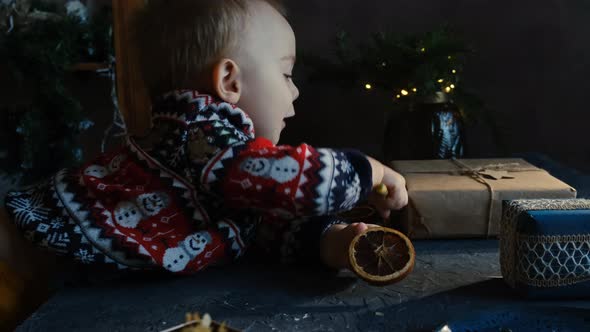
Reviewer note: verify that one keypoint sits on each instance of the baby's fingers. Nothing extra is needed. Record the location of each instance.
(383, 205)
(385, 214)
(392, 198)
(398, 198)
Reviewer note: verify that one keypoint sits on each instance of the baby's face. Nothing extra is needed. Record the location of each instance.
(266, 56)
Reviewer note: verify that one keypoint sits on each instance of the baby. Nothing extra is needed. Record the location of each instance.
(209, 181)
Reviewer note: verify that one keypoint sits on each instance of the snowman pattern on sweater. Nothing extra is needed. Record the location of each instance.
(181, 206)
(280, 170)
(177, 258)
(127, 214)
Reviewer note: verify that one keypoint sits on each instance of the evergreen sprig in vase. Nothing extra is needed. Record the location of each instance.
(421, 76)
(429, 128)
(421, 73)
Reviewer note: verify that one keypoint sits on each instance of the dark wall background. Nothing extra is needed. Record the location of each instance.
(532, 67)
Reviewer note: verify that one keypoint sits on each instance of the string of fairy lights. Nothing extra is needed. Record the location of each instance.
(447, 86)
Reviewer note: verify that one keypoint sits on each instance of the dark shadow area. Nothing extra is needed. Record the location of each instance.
(484, 306)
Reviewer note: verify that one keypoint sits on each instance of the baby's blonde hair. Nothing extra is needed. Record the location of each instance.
(178, 40)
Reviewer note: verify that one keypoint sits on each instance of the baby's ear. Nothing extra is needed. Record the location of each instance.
(227, 82)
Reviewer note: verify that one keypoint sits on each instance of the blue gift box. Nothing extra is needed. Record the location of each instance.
(545, 247)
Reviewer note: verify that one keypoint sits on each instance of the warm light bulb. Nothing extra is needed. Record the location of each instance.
(414, 89)
(446, 328)
(398, 96)
(454, 71)
(452, 86)
(368, 86)
(448, 89)
(449, 57)
(404, 92)
(423, 49)
(440, 80)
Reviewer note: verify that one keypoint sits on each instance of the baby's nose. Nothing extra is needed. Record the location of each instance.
(295, 92)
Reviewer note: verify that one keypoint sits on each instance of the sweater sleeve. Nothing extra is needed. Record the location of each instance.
(116, 211)
(289, 181)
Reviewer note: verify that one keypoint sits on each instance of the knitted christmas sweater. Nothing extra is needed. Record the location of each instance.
(192, 197)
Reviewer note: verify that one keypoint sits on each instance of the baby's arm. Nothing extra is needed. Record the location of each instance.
(291, 181)
(288, 181)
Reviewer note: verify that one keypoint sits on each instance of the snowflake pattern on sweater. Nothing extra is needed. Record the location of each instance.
(196, 196)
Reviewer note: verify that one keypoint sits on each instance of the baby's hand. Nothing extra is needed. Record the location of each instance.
(397, 195)
(335, 242)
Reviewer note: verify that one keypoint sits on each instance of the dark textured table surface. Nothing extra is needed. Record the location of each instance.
(451, 279)
(262, 299)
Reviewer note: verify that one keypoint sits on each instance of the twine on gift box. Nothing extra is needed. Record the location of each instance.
(476, 175)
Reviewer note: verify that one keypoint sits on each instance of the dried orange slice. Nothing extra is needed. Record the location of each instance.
(381, 255)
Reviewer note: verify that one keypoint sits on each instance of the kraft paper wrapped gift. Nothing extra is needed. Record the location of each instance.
(545, 247)
(460, 198)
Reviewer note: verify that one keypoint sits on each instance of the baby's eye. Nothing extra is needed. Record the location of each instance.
(288, 76)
